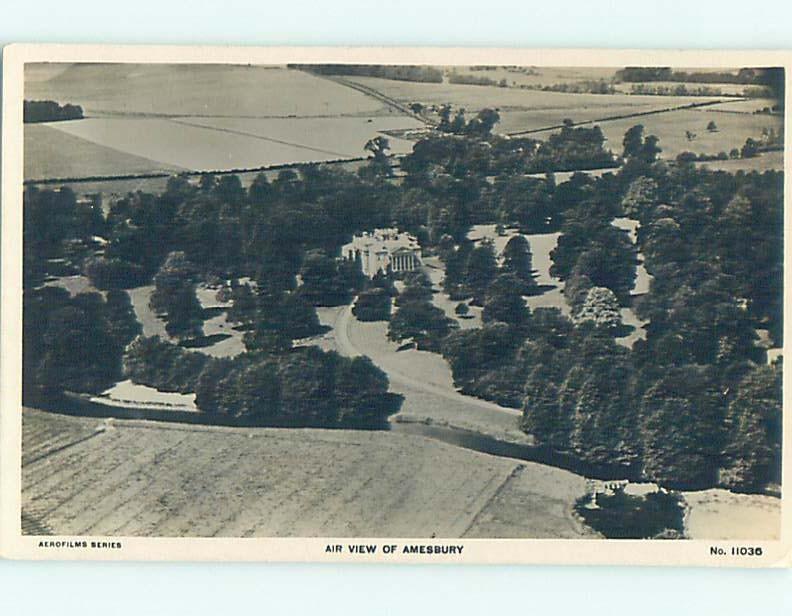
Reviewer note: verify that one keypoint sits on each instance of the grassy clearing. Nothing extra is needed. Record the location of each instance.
(218, 325)
(193, 89)
(73, 284)
(152, 325)
(153, 479)
(51, 152)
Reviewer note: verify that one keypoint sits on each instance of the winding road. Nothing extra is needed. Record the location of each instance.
(425, 381)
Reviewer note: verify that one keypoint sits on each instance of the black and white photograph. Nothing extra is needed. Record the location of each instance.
(433, 302)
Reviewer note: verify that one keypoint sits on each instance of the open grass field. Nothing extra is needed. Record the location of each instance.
(86, 476)
(670, 127)
(195, 89)
(50, 152)
(220, 144)
(342, 137)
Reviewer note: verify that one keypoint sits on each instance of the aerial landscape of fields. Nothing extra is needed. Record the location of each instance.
(573, 329)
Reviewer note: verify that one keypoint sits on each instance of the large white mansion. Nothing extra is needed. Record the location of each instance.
(383, 249)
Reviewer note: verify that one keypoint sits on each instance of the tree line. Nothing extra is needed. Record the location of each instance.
(428, 74)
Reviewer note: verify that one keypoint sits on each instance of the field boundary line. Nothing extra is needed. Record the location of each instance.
(255, 136)
(188, 173)
(625, 116)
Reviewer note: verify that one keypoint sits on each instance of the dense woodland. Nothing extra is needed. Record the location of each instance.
(693, 405)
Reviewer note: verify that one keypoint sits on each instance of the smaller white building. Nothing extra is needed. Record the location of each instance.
(384, 249)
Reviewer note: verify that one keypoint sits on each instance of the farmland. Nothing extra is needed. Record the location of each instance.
(198, 90)
(523, 110)
(536, 76)
(473, 98)
(732, 130)
(217, 118)
(54, 153)
(232, 143)
(145, 479)
(203, 118)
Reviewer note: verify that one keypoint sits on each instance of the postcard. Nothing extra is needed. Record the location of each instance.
(401, 305)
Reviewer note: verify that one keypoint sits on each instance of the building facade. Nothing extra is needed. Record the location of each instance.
(384, 250)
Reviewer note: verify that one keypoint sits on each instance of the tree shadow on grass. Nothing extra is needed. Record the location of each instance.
(203, 341)
(541, 289)
(210, 313)
(623, 330)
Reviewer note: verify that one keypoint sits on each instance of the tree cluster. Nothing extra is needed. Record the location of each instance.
(302, 387)
(50, 111)
(73, 343)
(417, 319)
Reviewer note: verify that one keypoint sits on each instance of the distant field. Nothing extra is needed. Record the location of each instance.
(536, 119)
(746, 106)
(474, 98)
(136, 478)
(670, 127)
(343, 137)
(765, 162)
(124, 145)
(538, 75)
(195, 90)
(730, 89)
(143, 118)
(524, 109)
(52, 152)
